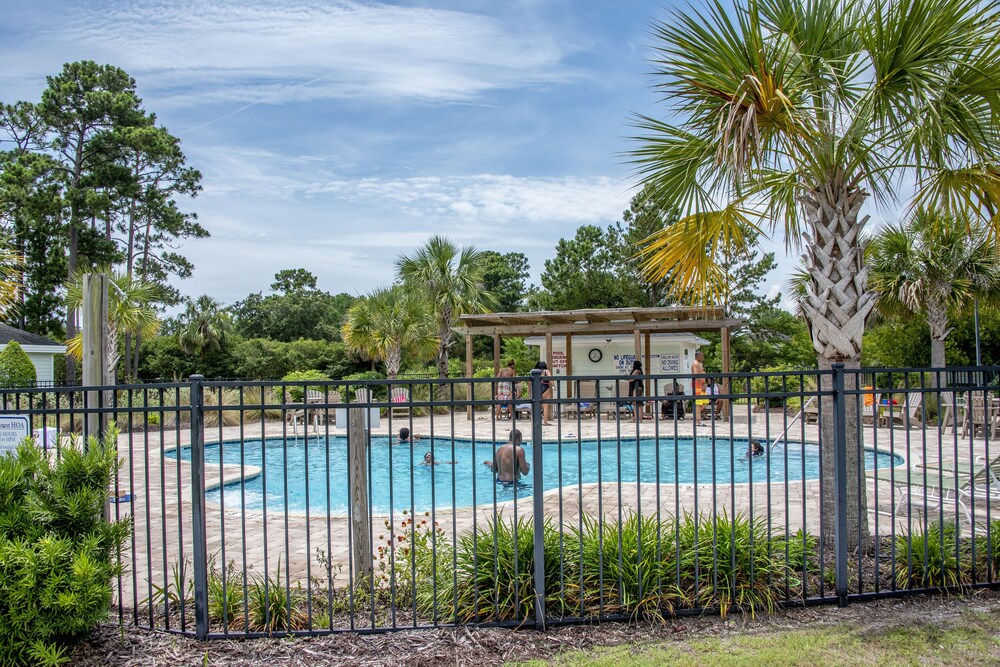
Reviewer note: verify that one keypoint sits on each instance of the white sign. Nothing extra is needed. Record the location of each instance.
(13, 429)
(623, 363)
(670, 363)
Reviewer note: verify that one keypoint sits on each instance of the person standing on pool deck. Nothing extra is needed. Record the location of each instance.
(505, 391)
(698, 368)
(635, 388)
(546, 392)
(509, 461)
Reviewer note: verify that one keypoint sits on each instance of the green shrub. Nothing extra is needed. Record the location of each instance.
(296, 393)
(800, 551)
(934, 559)
(405, 557)
(627, 567)
(494, 575)
(728, 562)
(773, 384)
(57, 553)
(225, 593)
(988, 549)
(274, 607)
(16, 369)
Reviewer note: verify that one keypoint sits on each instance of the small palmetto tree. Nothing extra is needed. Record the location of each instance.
(206, 327)
(789, 115)
(451, 280)
(935, 264)
(131, 309)
(389, 323)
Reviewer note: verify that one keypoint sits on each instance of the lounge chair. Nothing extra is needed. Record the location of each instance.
(586, 403)
(399, 397)
(934, 485)
(910, 413)
(983, 415)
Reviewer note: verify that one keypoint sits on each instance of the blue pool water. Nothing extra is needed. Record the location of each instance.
(299, 471)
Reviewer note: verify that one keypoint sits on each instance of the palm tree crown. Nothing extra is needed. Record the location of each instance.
(131, 310)
(791, 107)
(451, 280)
(936, 265)
(387, 324)
(206, 328)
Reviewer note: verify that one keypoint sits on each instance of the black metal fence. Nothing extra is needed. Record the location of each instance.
(268, 508)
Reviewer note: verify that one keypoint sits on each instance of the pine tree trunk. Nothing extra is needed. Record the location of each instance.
(837, 305)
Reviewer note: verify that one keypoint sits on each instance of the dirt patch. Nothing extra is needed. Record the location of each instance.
(111, 647)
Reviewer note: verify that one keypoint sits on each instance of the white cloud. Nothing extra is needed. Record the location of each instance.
(495, 198)
(263, 51)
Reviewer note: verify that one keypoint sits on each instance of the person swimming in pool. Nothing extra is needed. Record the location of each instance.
(429, 460)
(756, 449)
(509, 461)
(405, 437)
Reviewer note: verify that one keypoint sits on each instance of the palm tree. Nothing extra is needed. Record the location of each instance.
(387, 324)
(206, 327)
(452, 282)
(131, 310)
(789, 114)
(933, 264)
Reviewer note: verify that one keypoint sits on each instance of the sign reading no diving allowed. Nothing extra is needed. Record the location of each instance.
(13, 429)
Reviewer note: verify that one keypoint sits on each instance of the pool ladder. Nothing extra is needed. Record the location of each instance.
(784, 433)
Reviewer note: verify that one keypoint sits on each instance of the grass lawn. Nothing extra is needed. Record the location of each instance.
(972, 638)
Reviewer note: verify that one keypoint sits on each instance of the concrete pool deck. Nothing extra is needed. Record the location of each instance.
(160, 504)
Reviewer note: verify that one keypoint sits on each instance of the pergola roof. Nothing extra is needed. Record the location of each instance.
(597, 321)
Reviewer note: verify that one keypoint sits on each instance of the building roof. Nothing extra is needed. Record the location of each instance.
(598, 321)
(8, 334)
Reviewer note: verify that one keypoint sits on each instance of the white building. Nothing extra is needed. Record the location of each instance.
(40, 350)
(590, 355)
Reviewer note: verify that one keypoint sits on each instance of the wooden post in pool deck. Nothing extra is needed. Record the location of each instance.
(95, 348)
(357, 446)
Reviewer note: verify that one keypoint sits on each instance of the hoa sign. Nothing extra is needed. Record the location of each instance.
(13, 429)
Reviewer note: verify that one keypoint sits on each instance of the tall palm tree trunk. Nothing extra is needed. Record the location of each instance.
(937, 318)
(836, 306)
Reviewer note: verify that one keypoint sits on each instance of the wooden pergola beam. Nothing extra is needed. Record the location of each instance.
(613, 327)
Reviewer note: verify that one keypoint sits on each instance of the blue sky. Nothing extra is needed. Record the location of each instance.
(336, 135)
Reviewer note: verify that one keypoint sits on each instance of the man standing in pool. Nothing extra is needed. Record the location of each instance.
(509, 462)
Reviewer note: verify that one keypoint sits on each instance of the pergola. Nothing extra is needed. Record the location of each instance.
(641, 322)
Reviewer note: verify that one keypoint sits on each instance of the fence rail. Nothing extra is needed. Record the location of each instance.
(261, 508)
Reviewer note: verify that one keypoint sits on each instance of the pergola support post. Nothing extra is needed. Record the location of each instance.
(468, 373)
(726, 369)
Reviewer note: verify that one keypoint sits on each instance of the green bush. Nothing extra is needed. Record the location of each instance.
(494, 575)
(296, 393)
(57, 553)
(934, 559)
(16, 369)
(727, 562)
(773, 384)
(629, 566)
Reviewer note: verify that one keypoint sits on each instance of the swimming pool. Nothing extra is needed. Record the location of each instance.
(313, 473)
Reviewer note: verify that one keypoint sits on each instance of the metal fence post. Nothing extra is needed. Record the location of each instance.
(537, 489)
(840, 477)
(198, 530)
